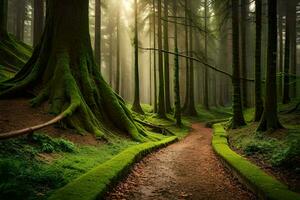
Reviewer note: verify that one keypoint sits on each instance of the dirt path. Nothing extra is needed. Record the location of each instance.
(185, 170)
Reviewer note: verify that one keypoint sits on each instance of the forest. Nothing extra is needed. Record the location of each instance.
(149, 99)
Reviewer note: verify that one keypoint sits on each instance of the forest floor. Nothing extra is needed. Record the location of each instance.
(188, 169)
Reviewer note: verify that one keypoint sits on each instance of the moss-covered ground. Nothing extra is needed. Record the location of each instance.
(278, 150)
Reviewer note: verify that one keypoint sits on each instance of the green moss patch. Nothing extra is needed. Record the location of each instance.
(257, 180)
(96, 182)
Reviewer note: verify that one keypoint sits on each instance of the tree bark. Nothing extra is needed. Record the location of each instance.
(205, 91)
(238, 118)
(154, 58)
(187, 61)
(20, 19)
(97, 51)
(38, 20)
(258, 91)
(269, 120)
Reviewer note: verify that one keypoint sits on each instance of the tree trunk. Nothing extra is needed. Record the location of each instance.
(205, 94)
(3, 17)
(258, 92)
(269, 120)
(177, 107)
(161, 96)
(118, 64)
(238, 118)
(63, 73)
(280, 64)
(187, 61)
(97, 44)
(38, 20)
(20, 19)
(136, 103)
(243, 22)
(166, 57)
(286, 81)
(293, 46)
(154, 58)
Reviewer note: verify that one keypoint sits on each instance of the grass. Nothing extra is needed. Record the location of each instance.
(265, 186)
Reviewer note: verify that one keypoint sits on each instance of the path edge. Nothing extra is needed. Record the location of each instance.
(95, 183)
(250, 175)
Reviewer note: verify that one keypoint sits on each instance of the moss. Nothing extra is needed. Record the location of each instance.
(95, 183)
(261, 183)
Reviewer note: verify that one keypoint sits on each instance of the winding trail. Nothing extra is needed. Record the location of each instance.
(188, 169)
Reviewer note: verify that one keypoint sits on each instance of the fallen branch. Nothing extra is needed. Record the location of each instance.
(30, 130)
(158, 128)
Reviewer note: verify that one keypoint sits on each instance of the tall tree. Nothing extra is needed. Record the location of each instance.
(243, 21)
(177, 107)
(154, 56)
(166, 56)
(287, 59)
(280, 60)
(269, 120)
(238, 118)
(258, 91)
(136, 103)
(20, 19)
(118, 63)
(97, 44)
(63, 72)
(3, 17)
(161, 91)
(187, 60)
(38, 20)
(205, 91)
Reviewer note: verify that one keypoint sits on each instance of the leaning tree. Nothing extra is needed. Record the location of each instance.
(62, 72)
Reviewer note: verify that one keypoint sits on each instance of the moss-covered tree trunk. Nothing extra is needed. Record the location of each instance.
(269, 120)
(161, 91)
(97, 45)
(177, 107)
(166, 56)
(238, 118)
(63, 73)
(258, 90)
(136, 103)
(286, 80)
(38, 20)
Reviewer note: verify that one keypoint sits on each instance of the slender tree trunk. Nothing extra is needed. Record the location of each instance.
(3, 17)
(38, 20)
(280, 29)
(293, 46)
(166, 56)
(110, 67)
(269, 120)
(97, 45)
(238, 118)
(154, 58)
(286, 81)
(136, 103)
(150, 60)
(258, 91)
(187, 60)
(177, 107)
(118, 54)
(243, 22)
(161, 97)
(205, 94)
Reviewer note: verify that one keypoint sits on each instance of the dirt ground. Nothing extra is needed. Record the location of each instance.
(17, 114)
(185, 170)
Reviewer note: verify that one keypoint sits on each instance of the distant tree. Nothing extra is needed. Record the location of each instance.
(154, 56)
(118, 63)
(21, 4)
(269, 120)
(136, 103)
(238, 118)
(187, 60)
(205, 93)
(166, 56)
(97, 51)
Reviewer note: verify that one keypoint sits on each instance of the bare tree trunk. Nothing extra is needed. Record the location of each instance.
(97, 51)
(38, 20)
